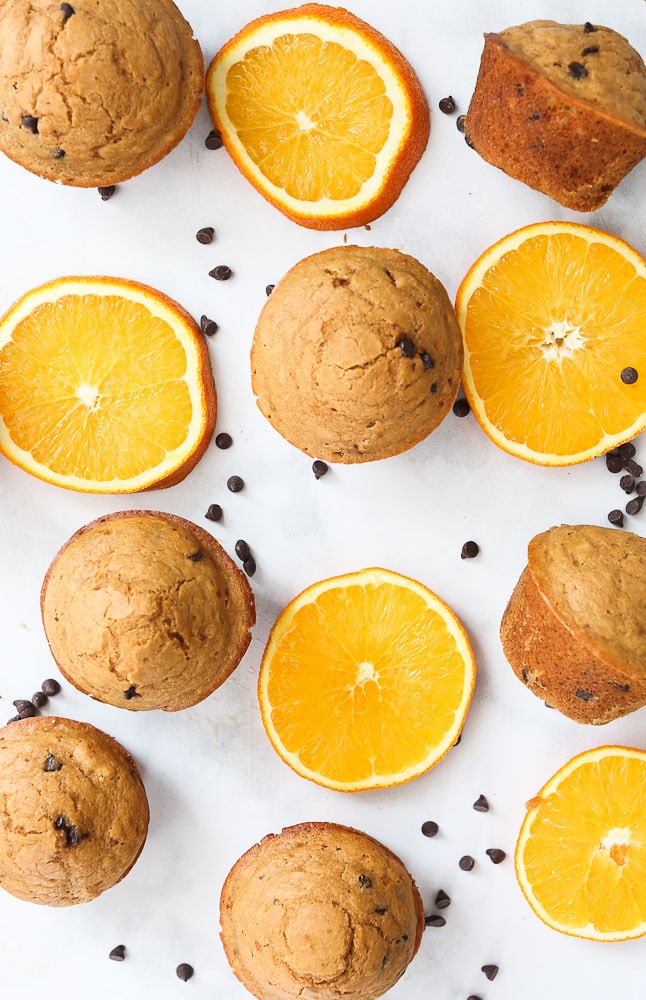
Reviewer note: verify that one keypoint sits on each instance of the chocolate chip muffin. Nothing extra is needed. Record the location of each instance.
(561, 107)
(73, 811)
(320, 911)
(146, 610)
(93, 93)
(574, 630)
(357, 354)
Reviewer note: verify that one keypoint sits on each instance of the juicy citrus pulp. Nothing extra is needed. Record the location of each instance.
(105, 386)
(581, 853)
(320, 112)
(551, 315)
(365, 681)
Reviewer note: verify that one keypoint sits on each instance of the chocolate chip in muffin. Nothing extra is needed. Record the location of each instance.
(481, 805)
(620, 687)
(184, 971)
(131, 693)
(629, 375)
(365, 882)
(106, 192)
(320, 468)
(434, 388)
(587, 28)
(68, 10)
(196, 556)
(590, 50)
(221, 273)
(30, 123)
(213, 140)
(406, 346)
(118, 954)
(58, 153)
(269, 289)
(223, 441)
(584, 695)
(447, 105)
(52, 763)
(427, 361)
(577, 70)
(205, 235)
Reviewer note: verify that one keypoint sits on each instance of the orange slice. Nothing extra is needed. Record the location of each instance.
(105, 386)
(365, 681)
(321, 113)
(581, 853)
(553, 318)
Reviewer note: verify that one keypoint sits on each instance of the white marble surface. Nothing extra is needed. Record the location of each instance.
(215, 785)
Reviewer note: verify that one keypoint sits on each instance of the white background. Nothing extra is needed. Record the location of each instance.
(214, 783)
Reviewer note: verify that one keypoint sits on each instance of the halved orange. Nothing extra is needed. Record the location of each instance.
(553, 319)
(581, 852)
(320, 112)
(105, 386)
(365, 681)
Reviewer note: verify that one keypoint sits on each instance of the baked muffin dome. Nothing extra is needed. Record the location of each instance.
(92, 93)
(561, 107)
(574, 630)
(320, 911)
(146, 610)
(357, 354)
(74, 808)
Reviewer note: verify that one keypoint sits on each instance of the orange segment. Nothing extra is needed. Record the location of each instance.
(581, 853)
(320, 112)
(551, 316)
(365, 681)
(105, 386)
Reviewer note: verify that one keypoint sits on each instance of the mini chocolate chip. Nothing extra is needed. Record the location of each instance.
(118, 954)
(50, 687)
(51, 763)
(614, 462)
(466, 863)
(381, 910)
(242, 549)
(590, 50)
(269, 289)
(616, 517)
(495, 854)
(249, 565)
(584, 695)
(58, 153)
(213, 140)
(434, 920)
(525, 676)
(223, 441)
(490, 971)
(629, 376)
(30, 123)
(320, 468)
(39, 699)
(447, 105)
(131, 693)
(433, 388)
(196, 556)
(29, 712)
(633, 467)
(205, 235)
(627, 450)
(635, 505)
(481, 805)
(68, 10)
(430, 828)
(577, 70)
(620, 687)
(427, 361)
(461, 407)
(21, 704)
(365, 882)
(587, 27)
(184, 971)
(406, 346)
(442, 900)
(469, 550)
(459, 122)
(235, 484)
(221, 273)
(627, 483)
(641, 489)
(214, 513)
(208, 326)
(107, 192)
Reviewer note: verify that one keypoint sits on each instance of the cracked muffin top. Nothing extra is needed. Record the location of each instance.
(320, 911)
(93, 92)
(73, 811)
(146, 610)
(357, 354)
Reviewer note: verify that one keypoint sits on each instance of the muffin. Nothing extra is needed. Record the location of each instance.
(73, 811)
(317, 912)
(93, 93)
(145, 610)
(561, 107)
(357, 354)
(574, 630)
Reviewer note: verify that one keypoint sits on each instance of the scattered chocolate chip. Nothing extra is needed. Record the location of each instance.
(459, 740)
(68, 10)
(39, 699)
(614, 462)
(235, 484)
(427, 361)
(620, 687)
(196, 556)
(208, 326)
(184, 971)
(459, 123)
(213, 140)
(633, 467)
(584, 695)
(242, 549)
(461, 408)
(29, 712)
(249, 565)
(627, 450)
(107, 192)
(442, 900)
(496, 855)
(434, 920)
(490, 971)
(587, 27)
(472, 997)
(21, 704)
(365, 882)
(481, 805)
(590, 50)
(320, 468)
(469, 550)
(14, 718)
(118, 954)
(616, 517)
(406, 346)
(634, 506)
(469, 141)
(577, 70)
(50, 687)
(221, 273)
(58, 153)
(30, 123)
(433, 388)
(205, 235)
(223, 441)
(466, 863)
(51, 763)
(641, 489)
(269, 289)
(629, 376)
(447, 105)
(131, 693)
(214, 513)
(627, 483)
